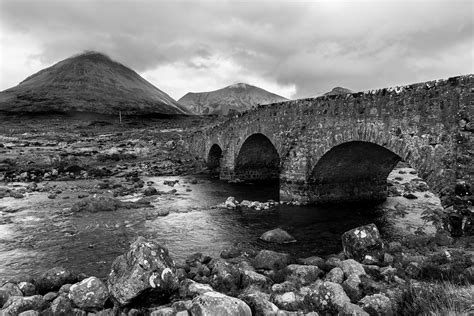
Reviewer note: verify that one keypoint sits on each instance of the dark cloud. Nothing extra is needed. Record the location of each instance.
(311, 46)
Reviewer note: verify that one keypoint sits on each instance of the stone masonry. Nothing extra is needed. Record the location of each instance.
(342, 147)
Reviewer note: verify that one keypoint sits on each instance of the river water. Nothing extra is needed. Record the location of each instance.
(37, 233)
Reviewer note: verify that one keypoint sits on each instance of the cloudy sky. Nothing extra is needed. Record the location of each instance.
(293, 48)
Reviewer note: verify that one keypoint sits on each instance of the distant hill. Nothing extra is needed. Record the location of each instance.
(339, 90)
(89, 82)
(234, 98)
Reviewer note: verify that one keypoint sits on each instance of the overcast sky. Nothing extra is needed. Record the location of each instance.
(292, 48)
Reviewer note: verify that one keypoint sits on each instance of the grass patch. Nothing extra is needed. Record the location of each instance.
(442, 298)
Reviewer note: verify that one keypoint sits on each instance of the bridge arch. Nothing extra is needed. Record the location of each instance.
(257, 159)
(352, 171)
(353, 164)
(213, 161)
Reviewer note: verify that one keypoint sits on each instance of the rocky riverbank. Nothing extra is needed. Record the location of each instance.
(370, 277)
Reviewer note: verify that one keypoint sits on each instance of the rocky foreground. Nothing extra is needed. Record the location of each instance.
(369, 277)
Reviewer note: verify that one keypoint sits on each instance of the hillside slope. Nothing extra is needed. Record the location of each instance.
(89, 82)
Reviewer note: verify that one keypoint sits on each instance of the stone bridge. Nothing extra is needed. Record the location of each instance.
(342, 147)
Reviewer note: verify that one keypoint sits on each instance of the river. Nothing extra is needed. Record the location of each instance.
(37, 233)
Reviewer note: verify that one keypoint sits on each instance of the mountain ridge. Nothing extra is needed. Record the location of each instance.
(237, 97)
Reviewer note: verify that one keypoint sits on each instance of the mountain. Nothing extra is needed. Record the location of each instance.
(234, 98)
(89, 82)
(339, 90)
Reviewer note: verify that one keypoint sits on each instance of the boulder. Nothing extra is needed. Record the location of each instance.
(89, 294)
(289, 301)
(7, 290)
(53, 279)
(377, 304)
(332, 262)
(302, 274)
(352, 287)
(190, 288)
(350, 309)
(225, 277)
(50, 296)
(336, 275)
(17, 304)
(267, 259)
(314, 261)
(259, 303)
(61, 306)
(214, 303)
(254, 278)
(29, 313)
(147, 266)
(283, 287)
(350, 266)
(329, 298)
(231, 202)
(27, 288)
(362, 241)
(278, 236)
(163, 311)
(149, 191)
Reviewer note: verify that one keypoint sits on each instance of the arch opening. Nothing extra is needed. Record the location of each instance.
(352, 171)
(258, 160)
(214, 159)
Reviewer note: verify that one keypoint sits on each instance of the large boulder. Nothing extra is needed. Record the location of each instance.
(362, 241)
(54, 278)
(17, 304)
(278, 236)
(146, 267)
(214, 303)
(89, 294)
(328, 298)
(267, 259)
